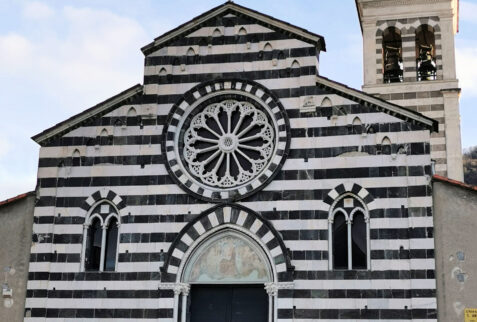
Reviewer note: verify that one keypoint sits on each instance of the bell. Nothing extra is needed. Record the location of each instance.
(426, 65)
(392, 65)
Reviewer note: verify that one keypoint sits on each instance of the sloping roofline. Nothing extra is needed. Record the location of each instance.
(457, 183)
(195, 23)
(97, 110)
(16, 198)
(387, 107)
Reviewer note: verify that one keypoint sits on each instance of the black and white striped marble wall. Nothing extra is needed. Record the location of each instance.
(335, 147)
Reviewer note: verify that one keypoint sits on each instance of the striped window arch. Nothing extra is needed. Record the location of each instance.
(101, 238)
(349, 235)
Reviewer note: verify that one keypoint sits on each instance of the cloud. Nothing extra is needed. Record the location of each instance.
(468, 12)
(466, 67)
(80, 57)
(37, 11)
(15, 52)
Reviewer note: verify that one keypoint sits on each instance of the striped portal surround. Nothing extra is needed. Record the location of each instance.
(336, 141)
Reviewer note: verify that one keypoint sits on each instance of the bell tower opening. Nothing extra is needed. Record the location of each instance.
(392, 56)
(425, 53)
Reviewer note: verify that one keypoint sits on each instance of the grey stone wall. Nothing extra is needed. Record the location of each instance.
(455, 223)
(16, 220)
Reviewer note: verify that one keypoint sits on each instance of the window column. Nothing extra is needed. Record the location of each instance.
(103, 248)
(83, 249)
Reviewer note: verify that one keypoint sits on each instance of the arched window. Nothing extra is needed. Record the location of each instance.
(392, 55)
(93, 248)
(76, 158)
(386, 146)
(358, 240)
(340, 241)
(425, 53)
(349, 239)
(295, 69)
(111, 244)
(100, 238)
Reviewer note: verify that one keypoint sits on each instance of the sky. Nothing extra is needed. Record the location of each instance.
(58, 58)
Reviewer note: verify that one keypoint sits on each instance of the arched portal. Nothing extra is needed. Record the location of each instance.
(228, 257)
(226, 275)
(228, 263)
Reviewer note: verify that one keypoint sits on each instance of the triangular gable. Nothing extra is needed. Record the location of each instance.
(230, 7)
(378, 103)
(92, 113)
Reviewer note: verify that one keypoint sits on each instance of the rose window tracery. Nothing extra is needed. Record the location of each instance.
(225, 139)
(228, 143)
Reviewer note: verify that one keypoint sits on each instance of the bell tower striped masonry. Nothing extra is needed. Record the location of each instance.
(409, 60)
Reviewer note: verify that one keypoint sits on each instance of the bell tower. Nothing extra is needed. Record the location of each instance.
(409, 60)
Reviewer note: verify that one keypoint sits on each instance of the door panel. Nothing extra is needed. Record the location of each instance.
(249, 304)
(232, 303)
(210, 304)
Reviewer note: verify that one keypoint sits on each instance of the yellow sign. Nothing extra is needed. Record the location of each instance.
(470, 315)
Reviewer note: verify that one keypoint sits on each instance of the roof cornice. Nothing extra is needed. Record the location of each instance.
(196, 22)
(387, 107)
(95, 111)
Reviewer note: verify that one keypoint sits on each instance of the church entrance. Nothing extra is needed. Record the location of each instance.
(228, 303)
(226, 277)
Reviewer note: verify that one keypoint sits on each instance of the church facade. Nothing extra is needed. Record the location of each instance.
(235, 184)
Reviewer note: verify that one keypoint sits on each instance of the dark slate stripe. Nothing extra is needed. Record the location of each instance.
(295, 133)
(268, 215)
(312, 234)
(311, 174)
(95, 276)
(99, 313)
(413, 149)
(280, 93)
(386, 314)
(254, 75)
(230, 58)
(230, 40)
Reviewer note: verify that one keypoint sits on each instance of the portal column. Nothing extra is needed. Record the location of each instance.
(272, 291)
(185, 293)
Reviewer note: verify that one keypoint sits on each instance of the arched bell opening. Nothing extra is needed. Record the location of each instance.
(425, 53)
(392, 56)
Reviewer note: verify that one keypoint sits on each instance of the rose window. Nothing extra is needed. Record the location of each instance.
(228, 143)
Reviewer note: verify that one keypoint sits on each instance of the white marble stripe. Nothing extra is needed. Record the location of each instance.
(302, 143)
(29, 319)
(351, 303)
(365, 284)
(235, 48)
(353, 320)
(99, 303)
(288, 205)
(270, 83)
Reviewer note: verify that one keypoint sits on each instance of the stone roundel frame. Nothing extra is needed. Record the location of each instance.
(202, 92)
(226, 217)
